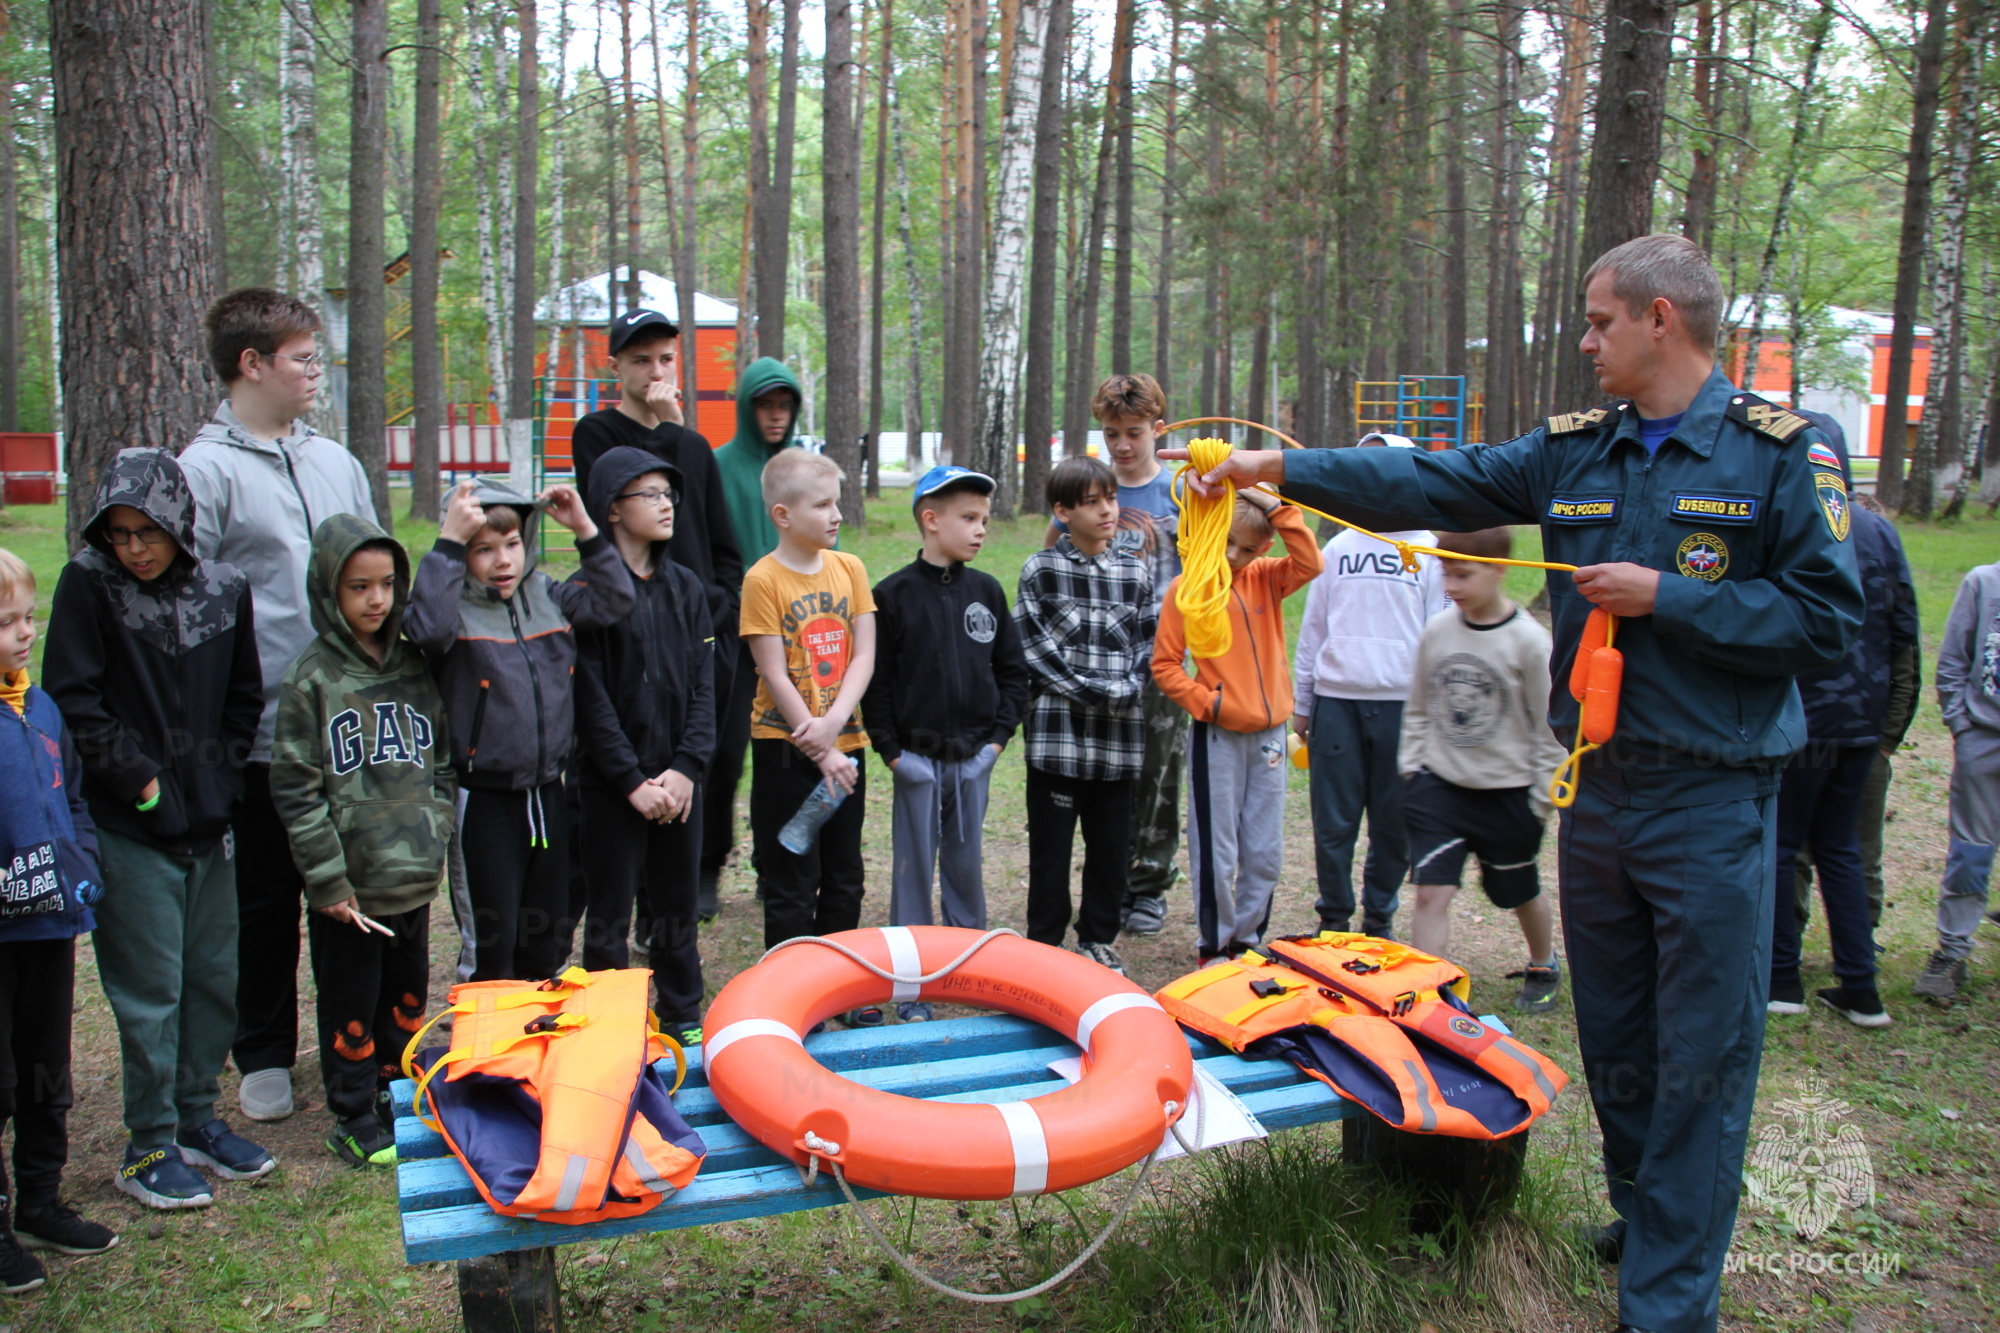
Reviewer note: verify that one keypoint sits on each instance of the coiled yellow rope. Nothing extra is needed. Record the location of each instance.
(1203, 596)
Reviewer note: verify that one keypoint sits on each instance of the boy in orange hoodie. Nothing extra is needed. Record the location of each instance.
(1240, 703)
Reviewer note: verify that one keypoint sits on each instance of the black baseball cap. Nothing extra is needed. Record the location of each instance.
(630, 324)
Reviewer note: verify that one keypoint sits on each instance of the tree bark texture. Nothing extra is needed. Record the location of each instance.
(367, 295)
(1555, 317)
(628, 124)
(757, 92)
(685, 277)
(1457, 246)
(1163, 300)
(774, 206)
(1781, 212)
(878, 279)
(841, 217)
(1698, 224)
(527, 180)
(913, 287)
(426, 346)
(10, 266)
(302, 269)
(1121, 224)
(1083, 348)
(1038, 390)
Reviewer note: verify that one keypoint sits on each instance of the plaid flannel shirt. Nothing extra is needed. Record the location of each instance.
(1087, 627)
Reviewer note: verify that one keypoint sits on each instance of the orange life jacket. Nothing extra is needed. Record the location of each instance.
(550, 1097)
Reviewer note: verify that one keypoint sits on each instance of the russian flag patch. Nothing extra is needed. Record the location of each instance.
(1821, 454)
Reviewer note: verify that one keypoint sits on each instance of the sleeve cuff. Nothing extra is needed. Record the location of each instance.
(448, 548)
(694, 770)
(1676, 604)
(329, 892)
(632, 779)
(588, 546)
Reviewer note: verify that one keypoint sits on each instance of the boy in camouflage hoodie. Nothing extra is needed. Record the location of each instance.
(361, 775)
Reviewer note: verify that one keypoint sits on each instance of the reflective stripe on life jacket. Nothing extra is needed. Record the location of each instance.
(551, 1098)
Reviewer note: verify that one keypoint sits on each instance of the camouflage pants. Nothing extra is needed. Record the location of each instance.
(1156, 799)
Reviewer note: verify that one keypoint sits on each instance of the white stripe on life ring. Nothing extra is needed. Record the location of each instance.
(1106, 1007)
(737, 1031)
(1031, 1147)
(905, 960)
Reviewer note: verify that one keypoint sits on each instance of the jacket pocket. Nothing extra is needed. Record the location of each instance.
(394, 844)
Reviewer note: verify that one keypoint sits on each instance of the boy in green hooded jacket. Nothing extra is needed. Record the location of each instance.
(767, 412)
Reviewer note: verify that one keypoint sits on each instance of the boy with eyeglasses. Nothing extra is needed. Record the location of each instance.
(262, 480)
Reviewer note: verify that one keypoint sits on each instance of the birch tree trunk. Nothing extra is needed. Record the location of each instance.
(367, 295)
(1000, 362)
(1083, 349)
(913, 382)
(490, 280)
(774, 207)
(1038, 395)
(1781, 212)
(426, 347)
(841, 216)
(558, 205)
(300, 232)
(527, 159)
(878, 278)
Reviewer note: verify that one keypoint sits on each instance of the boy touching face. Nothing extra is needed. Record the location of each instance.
(496, 555)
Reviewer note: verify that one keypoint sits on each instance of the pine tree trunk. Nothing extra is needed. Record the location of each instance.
(1625, 151)
(685, 277)
(878, 276)
(1038, 391)
(1699, 223)
(1083, 348)
(426, 346)
(1000, 364)
(1457, 246)
(968, 231)
(1503, 322)
(10, 263)
(1767, 267)
(558, 207)
(913, 371)
(527, 159)
(131, 187)
(1555, 305)
(629, 126)
(1163, 300)
(1121, 228)
(1213, 332)
(300, 232)
(367, 295)
(774, 206)
(757, 89)
(840, 187)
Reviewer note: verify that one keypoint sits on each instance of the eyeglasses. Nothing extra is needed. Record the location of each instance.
(308, 365)
(655, 496)
(154, 536)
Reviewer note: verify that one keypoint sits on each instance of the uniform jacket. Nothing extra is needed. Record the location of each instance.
(256, 505)
(1968, 670)
(157, 679)
(950, 678)
(1248, 688)
(358, 766)
(504, 663)
(704, 537)
(1847, 703)
(50, 876)
(1363, 617)
(1743, 510)
(645, 685)
(1087, 624)
(740, 463)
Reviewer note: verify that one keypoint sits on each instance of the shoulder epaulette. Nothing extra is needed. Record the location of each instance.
(1567, 423)
(1780, 423)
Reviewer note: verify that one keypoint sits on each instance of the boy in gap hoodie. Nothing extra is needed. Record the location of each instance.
(498, 633)
(767, 413)
(47, 885)
(1240, 703)
(949, 685)
(152, 656)
(645, 720)
(358, 774)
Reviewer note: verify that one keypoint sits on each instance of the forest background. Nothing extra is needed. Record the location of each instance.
(957, 215)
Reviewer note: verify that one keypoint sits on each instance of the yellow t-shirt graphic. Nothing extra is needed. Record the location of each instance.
(814, 615)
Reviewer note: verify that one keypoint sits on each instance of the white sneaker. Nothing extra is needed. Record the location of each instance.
(266, 1094)
(1103, 954)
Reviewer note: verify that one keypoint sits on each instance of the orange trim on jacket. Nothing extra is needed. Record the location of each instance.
(1248, 688)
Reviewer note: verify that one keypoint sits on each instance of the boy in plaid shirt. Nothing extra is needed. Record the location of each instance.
(1086, 613)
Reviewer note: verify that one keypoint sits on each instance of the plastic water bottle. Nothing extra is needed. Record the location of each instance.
(801, 831)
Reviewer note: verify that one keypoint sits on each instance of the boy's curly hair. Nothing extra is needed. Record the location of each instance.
(1123, 397)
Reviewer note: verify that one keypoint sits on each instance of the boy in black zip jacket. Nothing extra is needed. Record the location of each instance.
(152, 657)
(497, 632)
(950, 682)
(645, 720)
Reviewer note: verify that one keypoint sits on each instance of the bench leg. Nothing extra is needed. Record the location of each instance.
(1464, 1175)
(514, 1292)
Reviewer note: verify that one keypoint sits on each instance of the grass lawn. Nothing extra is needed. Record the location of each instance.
(1277, 1236)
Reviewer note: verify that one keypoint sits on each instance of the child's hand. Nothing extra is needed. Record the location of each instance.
(464, 517)
(680, 793)
(565, 506)
(665, 400)
(651, 801)
(816, 736)
(1260, 497)
(838, 769)
(1302, 726)
(348, 913)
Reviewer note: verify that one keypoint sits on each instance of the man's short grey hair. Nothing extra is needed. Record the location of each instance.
(1665, 266)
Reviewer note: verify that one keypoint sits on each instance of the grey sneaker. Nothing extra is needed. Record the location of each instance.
(1942, 977)
(1146, 916)
(914, 1011)
(266, 1094)
(1539, 987)
(1104, 955)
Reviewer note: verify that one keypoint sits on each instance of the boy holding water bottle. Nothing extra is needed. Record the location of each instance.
(808, 620)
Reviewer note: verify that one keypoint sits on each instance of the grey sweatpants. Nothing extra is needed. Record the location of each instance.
(1975, 828)
(1235, 832)
(940, 810)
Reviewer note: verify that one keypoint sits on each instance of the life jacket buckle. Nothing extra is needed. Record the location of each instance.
(1361, 967)
(553, 1023)
(1266, 987)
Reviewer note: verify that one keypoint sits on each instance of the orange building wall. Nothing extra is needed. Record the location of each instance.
(1774, 379)
(715, 387)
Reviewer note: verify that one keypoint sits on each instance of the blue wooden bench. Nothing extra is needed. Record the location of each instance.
(506, 1269)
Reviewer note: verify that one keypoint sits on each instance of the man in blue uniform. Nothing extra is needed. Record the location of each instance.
(1714, 525)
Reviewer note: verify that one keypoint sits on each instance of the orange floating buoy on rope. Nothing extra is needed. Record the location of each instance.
(1600, 696)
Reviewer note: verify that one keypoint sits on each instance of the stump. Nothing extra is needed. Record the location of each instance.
(1467, 1177)
(515, 1292)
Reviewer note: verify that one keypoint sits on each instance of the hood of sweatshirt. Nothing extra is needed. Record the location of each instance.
(490, 493)
(761, 376)
(150, 481)
(188, 603)
(740, 463)
(617, 469)
(334, 541)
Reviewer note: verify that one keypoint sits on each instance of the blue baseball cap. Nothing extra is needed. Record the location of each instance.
(940, 477)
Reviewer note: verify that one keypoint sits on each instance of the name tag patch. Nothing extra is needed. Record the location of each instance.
(1715, 508)
(1583, 508)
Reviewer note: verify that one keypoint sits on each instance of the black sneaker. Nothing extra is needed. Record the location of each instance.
(19, 1270)
(1787, 997)
(161, 1178)
(1858, 1005)
(1606, 1241)
(1146, 916)
(56, 1226)
(869, 1016)
(1539, 987)
(1103, 955)
(914, 1011)
(1942, 978)
(362, 1142)
(228, 1154)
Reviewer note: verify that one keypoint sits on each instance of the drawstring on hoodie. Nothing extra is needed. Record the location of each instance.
(538, 819)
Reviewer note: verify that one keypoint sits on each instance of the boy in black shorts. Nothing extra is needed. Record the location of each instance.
(1476, 757)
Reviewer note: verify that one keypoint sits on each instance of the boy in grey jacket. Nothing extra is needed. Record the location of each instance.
(1968, 686)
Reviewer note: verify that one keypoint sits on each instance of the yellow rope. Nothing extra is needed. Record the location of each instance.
(1204, 537)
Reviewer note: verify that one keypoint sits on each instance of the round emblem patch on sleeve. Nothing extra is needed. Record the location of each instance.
(1832, 503)
(1702, 556)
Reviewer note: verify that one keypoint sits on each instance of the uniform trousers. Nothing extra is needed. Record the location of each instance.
(1818, 807)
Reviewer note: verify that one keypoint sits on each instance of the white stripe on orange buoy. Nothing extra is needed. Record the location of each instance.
(1106, 1007)
(737, 1031)
(905, 960)
(1031, 1147)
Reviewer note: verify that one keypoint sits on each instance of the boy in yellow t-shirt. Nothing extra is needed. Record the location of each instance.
(808, 620)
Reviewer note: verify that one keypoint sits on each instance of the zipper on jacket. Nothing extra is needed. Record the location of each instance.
(478, 721)
(1256, 662)
(535, 686)
(292, 476)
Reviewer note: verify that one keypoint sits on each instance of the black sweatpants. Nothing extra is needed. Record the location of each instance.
(725, 769)
(1055, 805)
(517, 875)
(626, 856)
(37, 995)
(820, 892)
(372, 992)
(270, 893)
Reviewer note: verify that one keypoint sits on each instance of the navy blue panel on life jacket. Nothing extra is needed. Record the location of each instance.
(495, 1125)
(1460, 1084)
(653, 1101)
(1469, 1088)
(1313, 1048)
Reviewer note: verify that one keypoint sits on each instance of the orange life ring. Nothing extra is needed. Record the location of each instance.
(1137, 1067)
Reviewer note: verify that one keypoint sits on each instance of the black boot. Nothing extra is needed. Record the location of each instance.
(19, 1270)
